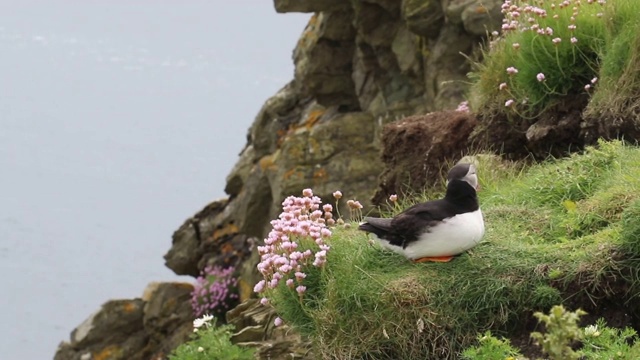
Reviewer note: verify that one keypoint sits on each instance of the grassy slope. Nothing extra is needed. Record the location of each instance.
(562, 232)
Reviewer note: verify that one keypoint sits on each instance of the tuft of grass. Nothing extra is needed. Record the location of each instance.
(564, 46)
(619, 71)
(540, 249)
(212, 343)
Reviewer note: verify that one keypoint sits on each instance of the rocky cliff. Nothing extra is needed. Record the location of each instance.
(359, 65)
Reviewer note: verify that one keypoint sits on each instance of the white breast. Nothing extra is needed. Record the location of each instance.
(452, 236)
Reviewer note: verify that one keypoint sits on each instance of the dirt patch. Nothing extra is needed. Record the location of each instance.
(556, 132)
(416, 148)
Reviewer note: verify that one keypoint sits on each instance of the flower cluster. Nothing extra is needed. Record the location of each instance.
(297, 239)
(524, 16)
(215, 291)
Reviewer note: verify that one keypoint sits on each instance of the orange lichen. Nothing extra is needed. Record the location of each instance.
(291, 173)
(226, 248)
(228, 229)
(110, 352)
(129, 307)
(313, 117)
(309, 34)
(320, 175)
(267, 162)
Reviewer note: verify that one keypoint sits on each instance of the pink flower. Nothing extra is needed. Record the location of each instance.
(594, 80)
(516, 46)
(307, 192)
(264, 301)
(571, 27)
(277, 321)
(327, 208)
(574, 40)
(289, 283)
(393, 198)
(259, 286)
(300, 275)
(337, 195)
(509, 103)
(463, 107)
(511, 70)
(587, 87)
(301, 289)
(556, 41)
(502, 86)
(540, 77)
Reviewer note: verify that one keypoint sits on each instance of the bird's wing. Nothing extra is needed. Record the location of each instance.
(418, 219)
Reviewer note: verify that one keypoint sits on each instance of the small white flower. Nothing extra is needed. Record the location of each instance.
(197, 323)
(200, 349)
(204, 320)
(591, 330)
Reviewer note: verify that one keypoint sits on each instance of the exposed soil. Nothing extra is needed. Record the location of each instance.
(556, 132)
(417, 147)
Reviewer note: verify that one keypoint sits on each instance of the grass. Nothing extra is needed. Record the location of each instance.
(602, 66)
(557, 232)
(619, 74)
(567, 65)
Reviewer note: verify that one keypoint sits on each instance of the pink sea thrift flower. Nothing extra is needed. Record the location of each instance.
(393, 198)
(509, 103)
(512, 70)
(540, 77)
(278, 321)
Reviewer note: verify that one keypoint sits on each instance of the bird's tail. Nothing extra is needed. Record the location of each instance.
(377, 226)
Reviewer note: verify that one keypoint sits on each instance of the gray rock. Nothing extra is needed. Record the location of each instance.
(306, 6)
(481, 17)
(255, 328)
(423, 17)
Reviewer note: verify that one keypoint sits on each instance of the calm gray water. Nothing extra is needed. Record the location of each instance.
(118, 119)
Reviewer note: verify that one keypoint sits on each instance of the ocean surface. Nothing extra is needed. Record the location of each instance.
(118, 120)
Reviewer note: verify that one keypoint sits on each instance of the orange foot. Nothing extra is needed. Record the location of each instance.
(434, 259)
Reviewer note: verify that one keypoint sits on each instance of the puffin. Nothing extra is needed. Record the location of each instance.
(436, 230)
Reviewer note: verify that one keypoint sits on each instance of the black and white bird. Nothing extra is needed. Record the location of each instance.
(436, 230)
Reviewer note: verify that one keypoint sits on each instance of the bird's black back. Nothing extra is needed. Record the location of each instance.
(407, 226)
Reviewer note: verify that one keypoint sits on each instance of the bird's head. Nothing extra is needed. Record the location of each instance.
(465, 172)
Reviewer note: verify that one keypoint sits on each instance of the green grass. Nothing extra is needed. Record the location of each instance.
(557, 232)
(211, 342)
(619, 74)
(607, 48)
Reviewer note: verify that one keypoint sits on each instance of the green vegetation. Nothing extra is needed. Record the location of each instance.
(559, 342)
(557, 232)
(557, 52)
(211, 342)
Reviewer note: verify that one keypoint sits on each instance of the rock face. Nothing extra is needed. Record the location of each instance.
(146, 328)
(359, 65)
(255, 328)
